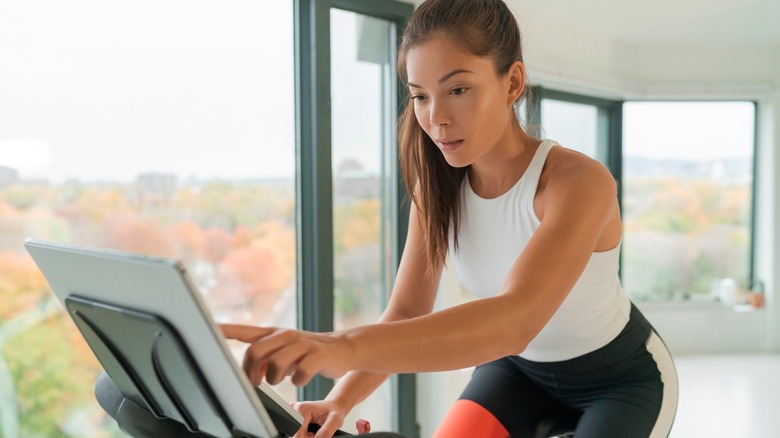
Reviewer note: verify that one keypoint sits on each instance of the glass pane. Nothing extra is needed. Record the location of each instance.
(363, 115)
(573, 125)
(154, 127)
(687, 194)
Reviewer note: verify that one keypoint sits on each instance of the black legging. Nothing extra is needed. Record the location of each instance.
(626, 389)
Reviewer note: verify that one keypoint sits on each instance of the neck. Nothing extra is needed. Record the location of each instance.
(499, 170)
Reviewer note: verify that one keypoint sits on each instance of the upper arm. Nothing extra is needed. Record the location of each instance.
(414, 292)
(580, 203)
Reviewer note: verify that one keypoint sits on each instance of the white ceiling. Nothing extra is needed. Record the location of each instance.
(659, 22)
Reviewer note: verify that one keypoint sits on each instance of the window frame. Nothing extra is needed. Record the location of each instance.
(314, 182)
(613, 109)
(614, 153)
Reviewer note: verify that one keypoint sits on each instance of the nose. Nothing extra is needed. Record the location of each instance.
(439, 114)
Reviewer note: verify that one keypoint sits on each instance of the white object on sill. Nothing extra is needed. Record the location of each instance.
(727, 291)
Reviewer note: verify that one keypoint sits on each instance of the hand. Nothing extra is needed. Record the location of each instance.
(276, 353)
(329, 415)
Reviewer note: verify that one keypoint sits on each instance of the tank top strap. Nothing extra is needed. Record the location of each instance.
(534, 170)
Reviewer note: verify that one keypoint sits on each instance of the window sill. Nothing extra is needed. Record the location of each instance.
(696, 305)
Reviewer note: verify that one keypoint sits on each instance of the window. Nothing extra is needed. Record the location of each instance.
(159, 128)
(362, 72)
(578, 122)
(687, 197)
(685, 182)
(153, 127)
(573, 125)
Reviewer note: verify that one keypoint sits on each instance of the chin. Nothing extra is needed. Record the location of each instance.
(456, 161)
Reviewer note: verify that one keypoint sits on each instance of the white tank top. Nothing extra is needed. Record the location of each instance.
(493, 233)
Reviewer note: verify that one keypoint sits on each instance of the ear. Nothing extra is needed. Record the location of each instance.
(515, 81)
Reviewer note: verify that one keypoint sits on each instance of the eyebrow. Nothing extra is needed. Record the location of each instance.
(443, 78)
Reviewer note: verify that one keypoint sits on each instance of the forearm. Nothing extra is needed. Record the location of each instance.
(358, 385)
(454, 338)
(355, 387)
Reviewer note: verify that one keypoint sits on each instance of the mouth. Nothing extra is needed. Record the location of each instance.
(448, 144)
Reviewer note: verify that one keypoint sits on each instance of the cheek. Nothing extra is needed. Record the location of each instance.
(422, 117)
(490, 112)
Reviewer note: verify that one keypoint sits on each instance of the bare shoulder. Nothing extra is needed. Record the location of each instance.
(576, 191)
(568, 170)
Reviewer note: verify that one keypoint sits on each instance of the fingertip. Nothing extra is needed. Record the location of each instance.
(306, 426)
(300, 378)
(244, 332)
(228, 330)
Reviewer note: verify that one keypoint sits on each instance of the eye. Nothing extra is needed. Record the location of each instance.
(458, 91)
(418, 98)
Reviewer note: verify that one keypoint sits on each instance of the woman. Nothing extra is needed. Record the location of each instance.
(532, 228)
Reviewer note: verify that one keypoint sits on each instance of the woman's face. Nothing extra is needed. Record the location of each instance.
(459, 100)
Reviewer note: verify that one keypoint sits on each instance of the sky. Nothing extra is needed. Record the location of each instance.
(686, 131)
(689, 130)
(108, 89)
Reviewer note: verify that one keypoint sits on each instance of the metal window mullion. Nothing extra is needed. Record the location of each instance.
(752, 253)
(390, 10)
(314, 187)
(615, 146)
(615, 159)
(533, 111)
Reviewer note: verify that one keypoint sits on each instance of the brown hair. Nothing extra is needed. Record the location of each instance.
(485, 28)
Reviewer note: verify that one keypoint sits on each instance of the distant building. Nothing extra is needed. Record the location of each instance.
(8, 176)
(349, 186)
(158, 183)
(730, 170)
(352, 181)
(156, 189)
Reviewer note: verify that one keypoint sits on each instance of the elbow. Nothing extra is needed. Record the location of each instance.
(518, 329)
(517, 336)
(518, 347)
(515, 343)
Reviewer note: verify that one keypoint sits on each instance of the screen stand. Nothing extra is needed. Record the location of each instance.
(151, 366)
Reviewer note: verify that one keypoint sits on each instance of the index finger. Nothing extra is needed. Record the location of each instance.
(245, 333)
(304, 430)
